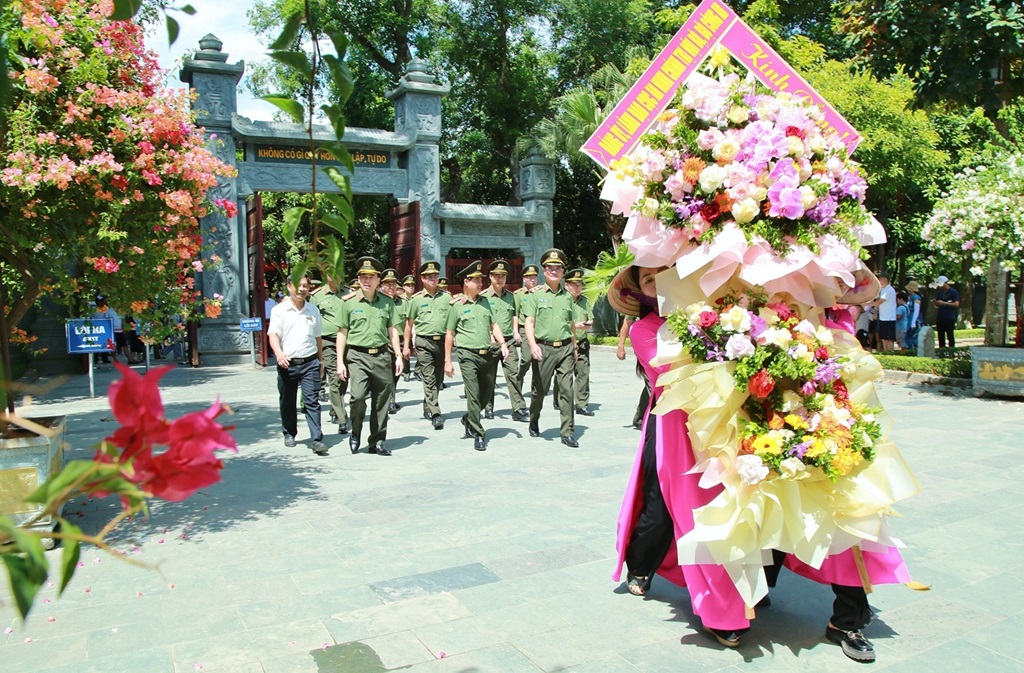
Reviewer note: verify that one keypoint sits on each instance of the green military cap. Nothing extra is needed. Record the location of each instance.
(354, 283)
(409, 280)
(474, 270)
(369, 265)
(429, 267)
(442, 282)
(530, 270)
(574, 276)
(552, 256)
(389, 275)
(498, 266)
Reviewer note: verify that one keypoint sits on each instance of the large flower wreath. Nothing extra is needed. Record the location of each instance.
(759, 214)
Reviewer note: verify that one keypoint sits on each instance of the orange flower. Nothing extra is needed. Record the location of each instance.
(692, 168)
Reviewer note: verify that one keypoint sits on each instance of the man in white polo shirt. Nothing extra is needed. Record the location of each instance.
(295, 333)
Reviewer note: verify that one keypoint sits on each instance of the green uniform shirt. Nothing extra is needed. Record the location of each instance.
(330, 305)
(429, 315)
(367, 322)
(552, 313)
(471, 322)
(503, 309)
(521, 294)
(582, 313)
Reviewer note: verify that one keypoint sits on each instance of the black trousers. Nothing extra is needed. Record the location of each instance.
(945, 330)
(653, 533)
(289, 380)
(850, 609)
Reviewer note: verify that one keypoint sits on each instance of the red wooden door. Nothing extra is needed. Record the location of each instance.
(405, 239)
(258, 291)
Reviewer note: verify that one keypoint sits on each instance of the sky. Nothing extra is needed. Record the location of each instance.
(228, 21)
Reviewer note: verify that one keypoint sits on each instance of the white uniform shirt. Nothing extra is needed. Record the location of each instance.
(268, 307)
(887, 309)
(297, 329)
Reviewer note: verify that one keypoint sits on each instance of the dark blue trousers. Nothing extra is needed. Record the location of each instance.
(306, 375)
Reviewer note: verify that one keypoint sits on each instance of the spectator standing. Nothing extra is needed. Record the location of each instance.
(948, 302)
(104, 311)
(902, 319)
(295, 334)
(886, 303)
(915, 314)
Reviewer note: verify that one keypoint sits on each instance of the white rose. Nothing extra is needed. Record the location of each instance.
(693, 311)
(751, 469)
(818, 144)
(824, 336)
(801, 352)
(808, 198)
(791, 466)
(791, 400)
(777, 337)
(712, 177)
(738, 114)
(739, 346)
(745, 210)
(769, 316)
(796, 146)
(725, 151)
(649, 208)
(805, 328)
(736, 319)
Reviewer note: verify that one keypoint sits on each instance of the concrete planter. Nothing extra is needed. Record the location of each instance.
(26, 461)
(999, 371)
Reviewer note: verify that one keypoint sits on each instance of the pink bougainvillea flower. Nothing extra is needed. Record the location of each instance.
(136, 404)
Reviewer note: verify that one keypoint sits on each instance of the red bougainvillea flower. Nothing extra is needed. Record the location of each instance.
(761, 384)
(135, 401)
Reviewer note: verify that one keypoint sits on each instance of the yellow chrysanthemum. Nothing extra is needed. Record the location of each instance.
(767, 445)
(817, 449)
(796, 422)
(845, 460)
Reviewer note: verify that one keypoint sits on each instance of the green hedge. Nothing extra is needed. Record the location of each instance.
(950, 362)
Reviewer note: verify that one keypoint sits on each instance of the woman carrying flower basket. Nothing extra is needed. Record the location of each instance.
(769, 443)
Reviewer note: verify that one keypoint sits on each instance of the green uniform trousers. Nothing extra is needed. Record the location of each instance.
(580, 376)
(524, 360)
(369, 377)
(512, 382)
(336, 388)
(478, 373)
(430, 367)
(557, 364)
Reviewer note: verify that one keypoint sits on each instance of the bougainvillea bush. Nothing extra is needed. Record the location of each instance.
(103, 174)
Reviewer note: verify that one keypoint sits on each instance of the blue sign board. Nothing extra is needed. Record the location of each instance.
(90, 335)
(250, 324)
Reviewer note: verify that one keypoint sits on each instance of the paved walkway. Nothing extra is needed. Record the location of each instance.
(443, 559)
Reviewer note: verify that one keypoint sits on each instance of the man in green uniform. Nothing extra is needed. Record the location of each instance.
(389, 286)
(583, 319)
(442, 284)
(504, 310)
(329, 300)
(471, 321)
(368, 326)
(549, 331)
(408, 290)
(530, 272)
(427, 319)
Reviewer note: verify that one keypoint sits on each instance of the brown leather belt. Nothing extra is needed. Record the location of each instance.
(301, 361)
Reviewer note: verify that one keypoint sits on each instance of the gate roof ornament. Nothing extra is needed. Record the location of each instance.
(712, 24)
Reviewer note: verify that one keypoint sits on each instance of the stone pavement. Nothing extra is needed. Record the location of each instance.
(443, 559)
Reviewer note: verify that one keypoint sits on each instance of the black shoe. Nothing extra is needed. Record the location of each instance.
(765, 602)
(478, 444)
(489, 414)
(437, 422)
(353, 444)
(426, 414)
(638, 426)
(583, 411)
(534, 430)
(465, 424)
(393, 408)
(319, 448)
(854, 644)
(289, 441)
(555, 405)
(334, 417)
(443, 385)
(380, 450)
(570, 441)
(521, 415)
(343, 428)
(725, 638)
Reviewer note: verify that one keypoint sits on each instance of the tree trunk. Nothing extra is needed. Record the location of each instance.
(995, 304)
(966, 296)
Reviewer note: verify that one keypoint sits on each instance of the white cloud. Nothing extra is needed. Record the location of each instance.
(228, 21)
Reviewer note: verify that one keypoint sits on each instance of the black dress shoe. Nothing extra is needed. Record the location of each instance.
(343, 429)
(393, 408)
(489, 415)
(437, 422)
(854, 644)
(478, 444)
(426, 414)
(555, 405)
(534, 430)
(570, 441)
(638, 426)
(380, 450)
(465, 425)
(521, 415)
(353, 444)
(583, 411)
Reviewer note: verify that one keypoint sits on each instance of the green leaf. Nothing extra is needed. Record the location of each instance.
(125, 9)
(188, 9)
(172, 30)
(25, 581)
(344, 207)
(341, 76)
(292, 218)
(291, 107)
(334, 255)
(337, 118)
(57, 483)
(289, 32)
(70, 554)
(339, 40)
(295, 60)
(336, 222)
(298, 271)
